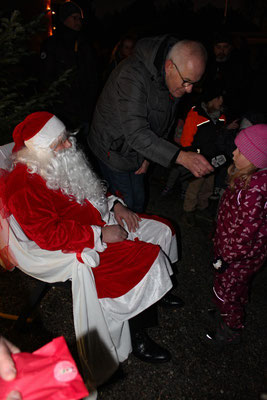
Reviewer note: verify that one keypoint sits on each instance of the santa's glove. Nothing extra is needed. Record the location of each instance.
(220, 265)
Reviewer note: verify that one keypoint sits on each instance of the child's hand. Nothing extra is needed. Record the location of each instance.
(233, 125)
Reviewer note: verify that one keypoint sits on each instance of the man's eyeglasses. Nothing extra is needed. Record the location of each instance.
(185, 83)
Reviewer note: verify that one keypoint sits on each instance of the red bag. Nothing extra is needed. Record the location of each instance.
(48, 373)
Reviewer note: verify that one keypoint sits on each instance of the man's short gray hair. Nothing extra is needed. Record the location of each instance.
(186, 49)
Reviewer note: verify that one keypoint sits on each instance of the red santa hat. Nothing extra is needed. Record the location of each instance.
(38, 131)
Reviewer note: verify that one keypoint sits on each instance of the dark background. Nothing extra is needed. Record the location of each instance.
(199, 18)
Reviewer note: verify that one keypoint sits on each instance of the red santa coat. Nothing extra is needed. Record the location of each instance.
(54, 222)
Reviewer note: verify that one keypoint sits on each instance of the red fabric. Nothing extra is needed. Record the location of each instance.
(48, 217)
(4, 212)
(192, 121)
(48, 373)
(79, 257)
(28, 128)
(122, 266)
(7, 258)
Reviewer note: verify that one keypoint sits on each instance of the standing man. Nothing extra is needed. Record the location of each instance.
(69, 50)
(136, 111)
(229, 68)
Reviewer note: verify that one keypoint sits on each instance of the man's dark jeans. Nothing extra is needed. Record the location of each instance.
(125, 184)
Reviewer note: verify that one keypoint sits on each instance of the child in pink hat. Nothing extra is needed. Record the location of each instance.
(240, 242)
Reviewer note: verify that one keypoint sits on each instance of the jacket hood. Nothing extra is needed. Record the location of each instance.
(152, 52)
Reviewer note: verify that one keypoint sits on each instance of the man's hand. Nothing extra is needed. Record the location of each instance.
(143, 168)
(7, 367)
(195, 162)
(123, 213)
(113, 234)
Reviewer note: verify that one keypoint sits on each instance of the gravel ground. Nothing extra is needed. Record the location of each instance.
(198, 371)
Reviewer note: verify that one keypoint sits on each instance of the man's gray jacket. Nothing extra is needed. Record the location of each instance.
(135, 111)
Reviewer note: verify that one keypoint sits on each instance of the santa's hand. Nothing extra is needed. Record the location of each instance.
(113, 234)
(7, 367)
(195, 162)
(123, 213)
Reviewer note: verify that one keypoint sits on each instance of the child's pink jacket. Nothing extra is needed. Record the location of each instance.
(241, 234)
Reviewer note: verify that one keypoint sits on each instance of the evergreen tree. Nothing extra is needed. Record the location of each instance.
(19, 91)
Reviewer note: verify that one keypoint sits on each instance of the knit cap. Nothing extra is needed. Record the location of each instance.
(67, 9)
(222, 37)
(252, 143)
(212, 91)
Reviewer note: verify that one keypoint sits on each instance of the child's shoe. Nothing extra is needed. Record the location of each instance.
(223, 335)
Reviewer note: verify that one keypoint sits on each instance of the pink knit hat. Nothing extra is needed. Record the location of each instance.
(252, 143)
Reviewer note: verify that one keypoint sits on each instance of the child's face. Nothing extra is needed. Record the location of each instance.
(240, 160)
(216, 103)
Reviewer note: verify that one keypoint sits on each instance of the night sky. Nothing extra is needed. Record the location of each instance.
(102, 7)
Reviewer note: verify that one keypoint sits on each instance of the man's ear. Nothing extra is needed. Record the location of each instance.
(168, 66)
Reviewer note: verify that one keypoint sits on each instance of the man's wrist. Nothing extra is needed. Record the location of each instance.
(180, 157)
(175, 157)
(115, 203)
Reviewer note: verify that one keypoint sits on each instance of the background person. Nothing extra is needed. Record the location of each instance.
(229, 68)
(69, 49)
(123, 49)
(200, 134)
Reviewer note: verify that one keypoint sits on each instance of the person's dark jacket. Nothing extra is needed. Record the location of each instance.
(135, 112)
(201, 133)
(65, 50)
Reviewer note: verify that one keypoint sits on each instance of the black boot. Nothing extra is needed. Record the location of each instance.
(223, 334)
(147, 350)
(171, 301)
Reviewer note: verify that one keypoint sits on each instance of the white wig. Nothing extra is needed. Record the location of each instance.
(67, 170)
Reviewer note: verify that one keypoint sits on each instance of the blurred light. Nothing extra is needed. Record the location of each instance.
(49, 11)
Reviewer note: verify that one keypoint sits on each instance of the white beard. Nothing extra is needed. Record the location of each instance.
(66, 170)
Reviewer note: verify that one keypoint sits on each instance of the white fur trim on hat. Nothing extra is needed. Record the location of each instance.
(47, 135)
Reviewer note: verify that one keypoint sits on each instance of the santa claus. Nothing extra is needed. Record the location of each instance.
(54, 197)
